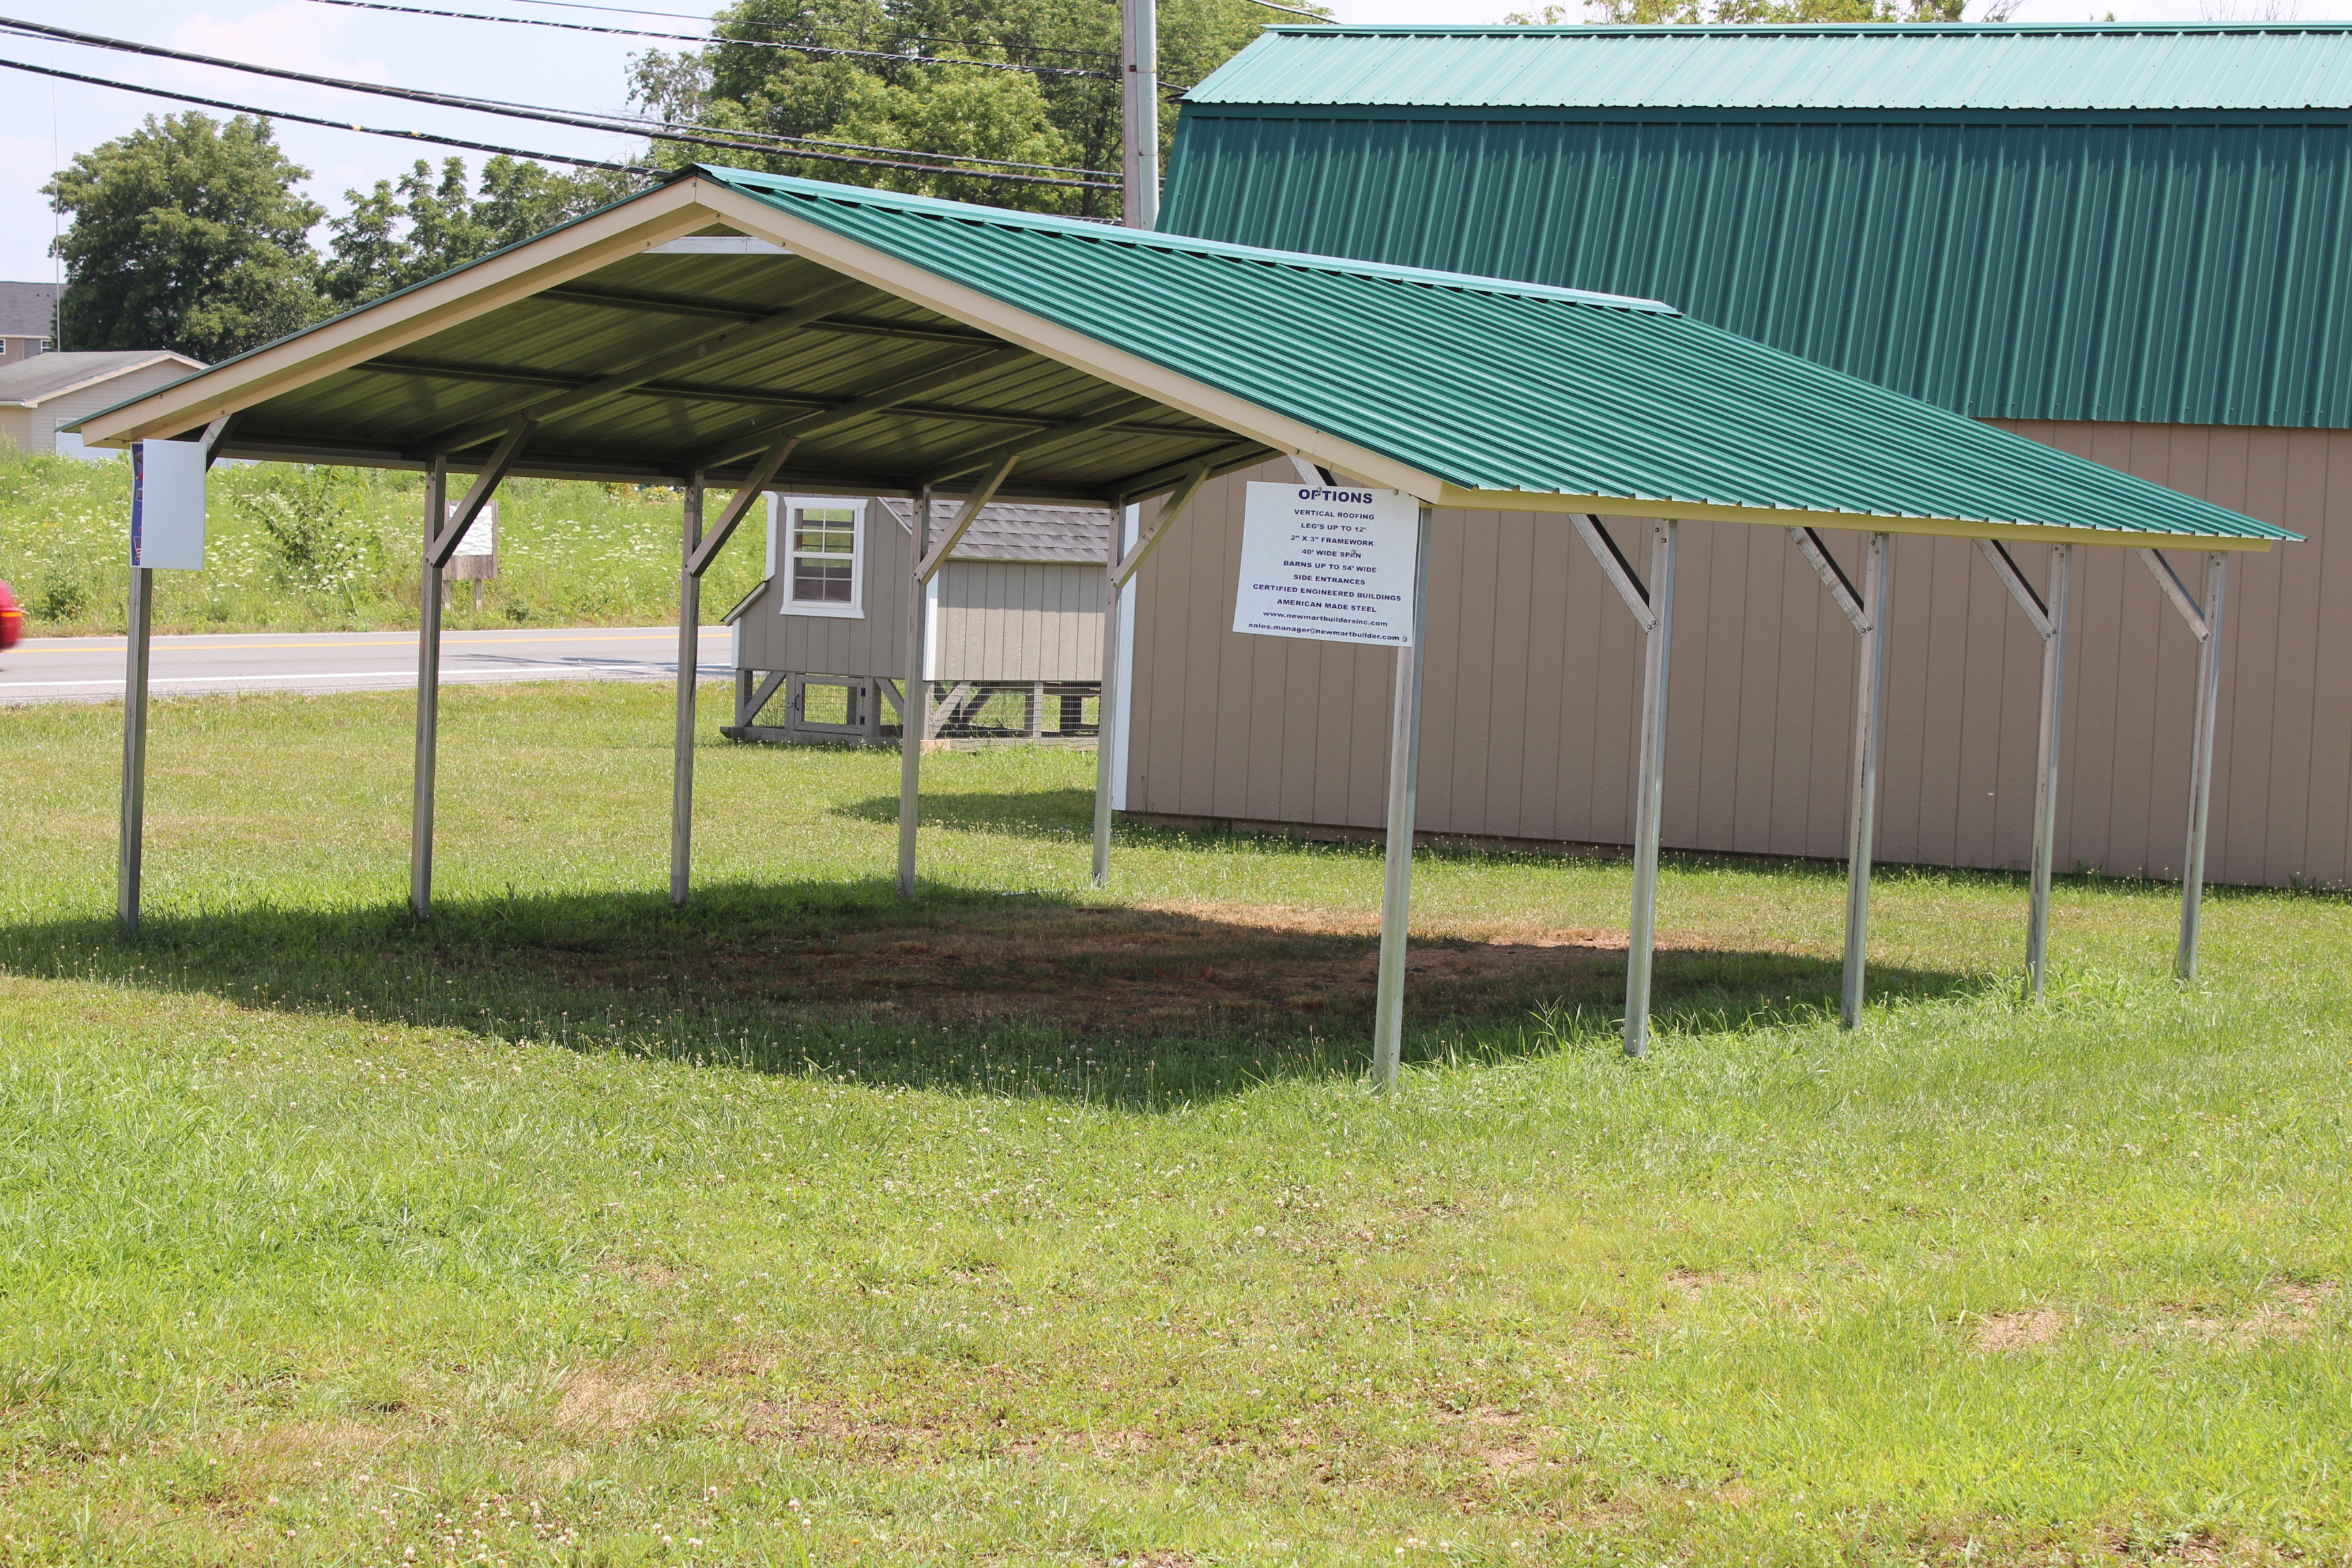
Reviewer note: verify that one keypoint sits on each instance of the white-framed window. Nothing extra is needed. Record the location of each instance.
(817, 545)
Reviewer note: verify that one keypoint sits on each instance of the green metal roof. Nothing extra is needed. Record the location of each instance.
(1502, 386)
(1460, 384)
(2092, 67)
(2155, 267)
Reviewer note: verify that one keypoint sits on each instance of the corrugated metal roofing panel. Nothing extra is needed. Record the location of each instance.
(1011, 532)
(2114, 67)
(2192, 273)
(1498, 387)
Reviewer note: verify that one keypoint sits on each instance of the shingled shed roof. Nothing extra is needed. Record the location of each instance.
(1131, 360)
(1005, 531)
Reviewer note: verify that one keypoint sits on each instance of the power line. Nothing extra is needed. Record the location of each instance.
(608, 124)
(638, 120)
(693, 17)
(330, 124)
(829, 49)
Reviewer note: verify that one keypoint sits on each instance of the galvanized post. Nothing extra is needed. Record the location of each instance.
(1405, 782)
(1877, 572)
(1649, 791)
(689, 651)
(428, 696)
(1107, 706)
(1139, 104)
(2200, 767)
(915, 710)
(2045, 789)
(134, 751)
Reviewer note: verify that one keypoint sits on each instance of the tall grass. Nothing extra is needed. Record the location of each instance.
(295, 547)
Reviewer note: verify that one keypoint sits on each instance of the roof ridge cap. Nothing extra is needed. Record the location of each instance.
(968, 212)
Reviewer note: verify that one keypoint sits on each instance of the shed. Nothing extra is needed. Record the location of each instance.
(2129, 241)
(40, 395)
(1013, 641)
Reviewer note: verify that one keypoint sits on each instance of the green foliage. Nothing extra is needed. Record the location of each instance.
(392, 237)
(300, 549)
(309, 515)
(187, 235)
(1072, 121)
(521, 1236)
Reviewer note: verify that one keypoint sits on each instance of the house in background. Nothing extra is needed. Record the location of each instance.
(2131, 241)
(40, 394)
(1012, 640)
(28, 320)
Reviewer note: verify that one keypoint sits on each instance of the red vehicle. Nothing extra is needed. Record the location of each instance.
(12, 619)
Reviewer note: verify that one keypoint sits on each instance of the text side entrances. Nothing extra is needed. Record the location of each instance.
(1330, 564)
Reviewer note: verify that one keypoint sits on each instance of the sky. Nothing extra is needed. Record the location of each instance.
(43, 121)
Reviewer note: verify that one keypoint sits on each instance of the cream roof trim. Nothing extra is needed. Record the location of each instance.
(1866, 523)
(666, 213)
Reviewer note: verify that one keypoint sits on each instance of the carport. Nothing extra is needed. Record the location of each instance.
(733, 331)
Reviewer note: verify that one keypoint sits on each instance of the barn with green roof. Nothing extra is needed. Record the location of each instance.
(2129, 241)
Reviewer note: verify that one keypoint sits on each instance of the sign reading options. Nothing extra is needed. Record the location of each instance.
(1329, 564)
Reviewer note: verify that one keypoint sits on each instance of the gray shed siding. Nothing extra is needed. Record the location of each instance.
(874, 645)
(992, 620)
(1018, 620)
(1530, 719)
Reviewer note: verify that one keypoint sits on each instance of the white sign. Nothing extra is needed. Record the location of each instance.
(1331, 563)
(482, 535)
(167, 505)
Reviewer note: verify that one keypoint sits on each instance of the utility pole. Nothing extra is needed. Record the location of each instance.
(1139, 26)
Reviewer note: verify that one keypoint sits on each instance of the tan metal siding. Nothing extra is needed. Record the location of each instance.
(1533, 669)
(16, 428)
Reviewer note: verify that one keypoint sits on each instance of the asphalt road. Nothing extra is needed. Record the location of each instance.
(89, 669)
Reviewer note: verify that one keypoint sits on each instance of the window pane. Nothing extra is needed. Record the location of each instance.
(809, 541)
(820, 582)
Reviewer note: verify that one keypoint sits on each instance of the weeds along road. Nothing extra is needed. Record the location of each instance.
(89, 669)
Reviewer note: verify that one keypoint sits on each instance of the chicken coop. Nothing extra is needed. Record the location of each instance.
(1013, 643)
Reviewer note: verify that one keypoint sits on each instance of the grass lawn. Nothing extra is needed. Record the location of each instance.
(1030, 1226)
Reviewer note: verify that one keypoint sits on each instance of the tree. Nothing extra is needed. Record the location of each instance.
(187, 235)
(396, 236)
(1072, 120)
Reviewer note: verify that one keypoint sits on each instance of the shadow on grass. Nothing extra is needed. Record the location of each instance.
(1022, 994)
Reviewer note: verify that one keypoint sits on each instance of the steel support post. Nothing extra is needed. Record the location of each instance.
(689, 650)
(1139, 105)
(428, 696)
(2200, 767)
(2045, 787)
(134, 750)
(915, 708)
(1649, 791)
(1405, 784)
(1107, 706)
(1877, 570)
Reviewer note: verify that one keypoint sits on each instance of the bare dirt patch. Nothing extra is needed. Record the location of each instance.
(2286, 1315)
(1099, 971)
(2020, 1331)
(597, 1401)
